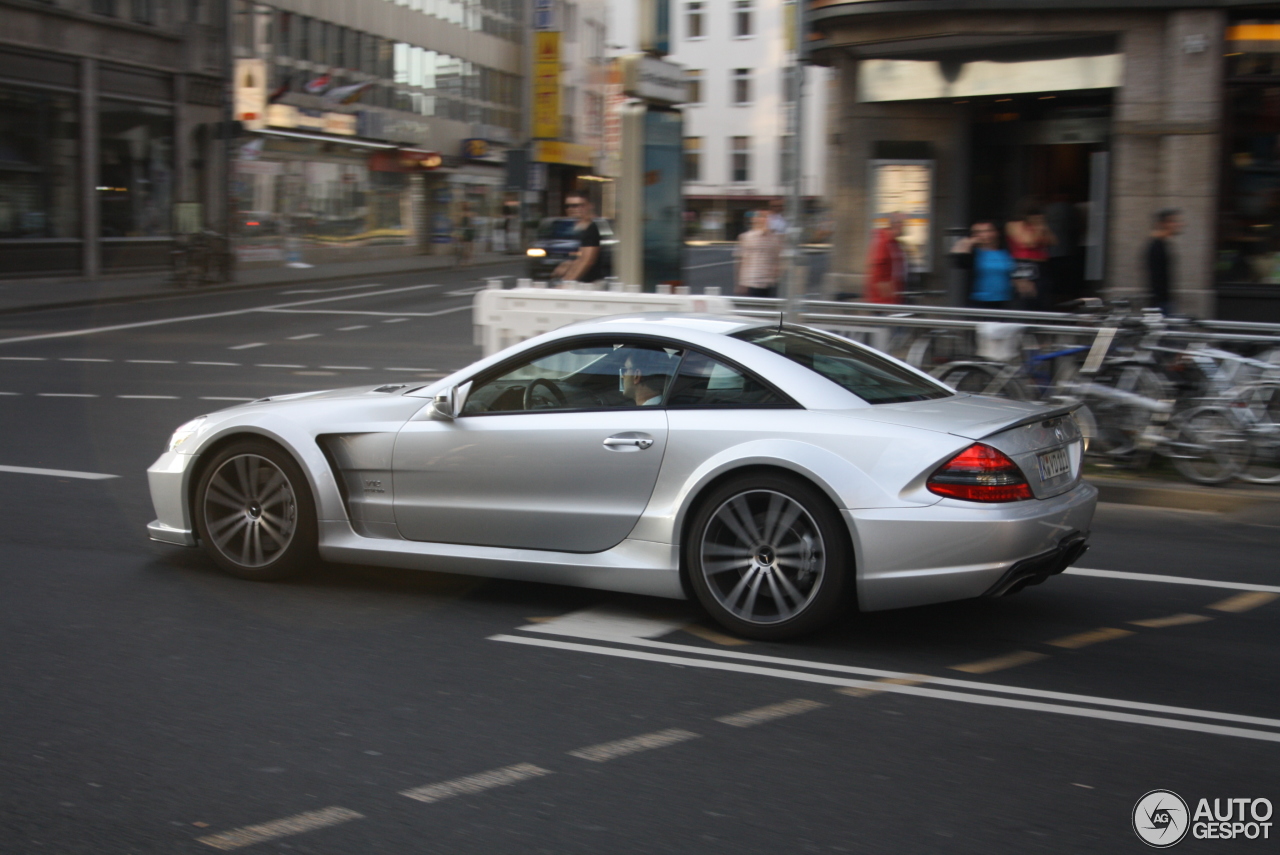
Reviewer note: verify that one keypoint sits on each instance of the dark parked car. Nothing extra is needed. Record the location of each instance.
(556, 241)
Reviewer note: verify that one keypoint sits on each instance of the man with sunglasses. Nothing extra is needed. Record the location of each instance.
(585, 266)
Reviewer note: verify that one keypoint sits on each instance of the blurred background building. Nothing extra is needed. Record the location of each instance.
(1101, 113)
(736, 59)
(109, 111)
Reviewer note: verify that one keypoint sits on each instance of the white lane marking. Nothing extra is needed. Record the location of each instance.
(919, 691)
(971, 685)
(607, 622)
(149, 397)
(24, 358)
(276, 365)
(346, 367)
(760, 715)
(57, 473)
(290, 825)
(228, 364)
(354, 327)
(83, 359)
(220, 398)
(465, 292)
(408, 369)
(395, 320)
(247, 346)
(11, 393)
(153, 361)
(359, 312)
(476, 783)
(304, 335)
(632, 744)
(65, 395)
(1171, 580)
(327, 290)
(228, 314)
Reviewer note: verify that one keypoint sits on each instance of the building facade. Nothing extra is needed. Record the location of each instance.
(109, 118)
(1099, 114)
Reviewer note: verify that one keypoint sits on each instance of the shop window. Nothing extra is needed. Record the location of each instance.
(39, 154)
(693, 158)
(135, 169)
(739, 159)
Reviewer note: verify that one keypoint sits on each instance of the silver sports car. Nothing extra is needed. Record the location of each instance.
(773, 472)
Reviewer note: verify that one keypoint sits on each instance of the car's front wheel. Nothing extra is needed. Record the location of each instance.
(254, 512)
(767, 557)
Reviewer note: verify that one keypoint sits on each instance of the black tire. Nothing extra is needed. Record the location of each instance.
(791, 579)
(255, 514)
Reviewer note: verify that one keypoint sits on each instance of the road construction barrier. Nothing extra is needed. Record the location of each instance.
(505, 317)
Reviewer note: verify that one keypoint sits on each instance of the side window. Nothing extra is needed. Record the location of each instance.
(582, 377)
(703, 382)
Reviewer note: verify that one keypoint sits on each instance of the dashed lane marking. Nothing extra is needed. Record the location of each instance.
(65, 395)
(247, 346)
(221, 398)
(353, 327)
(290, 825)
(609, 622)
(304, 335)
(463, 308)
(929, 692)
(1170, 580)
(219, 364)
(276, 365)
(1171, 620)
(408, 369)
(153, 361)
(11, 393)
(23, 358)
(773, 712)
(476, 783)
(83, 359)
(346, 367)
(1243, 602)
(395, 320)
(57, 473)
(149, 397)
(607, 751)
(327, 290)
(1000, 663)
(1093, 636)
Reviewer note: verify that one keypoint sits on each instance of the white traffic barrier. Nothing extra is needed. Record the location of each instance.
(503, 318)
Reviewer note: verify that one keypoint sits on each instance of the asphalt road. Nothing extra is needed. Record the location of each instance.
(149, 704)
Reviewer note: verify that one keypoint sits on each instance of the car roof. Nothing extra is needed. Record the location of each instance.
(660, 322)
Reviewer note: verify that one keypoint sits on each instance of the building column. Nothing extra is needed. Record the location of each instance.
(90, 222)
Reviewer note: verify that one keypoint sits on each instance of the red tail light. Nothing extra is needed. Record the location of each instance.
(980, 473)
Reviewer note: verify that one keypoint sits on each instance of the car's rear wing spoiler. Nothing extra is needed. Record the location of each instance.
(982, 430)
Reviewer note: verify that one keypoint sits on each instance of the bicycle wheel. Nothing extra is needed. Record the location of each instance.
(1121, 422)
(1208, 447)
(1263, 432)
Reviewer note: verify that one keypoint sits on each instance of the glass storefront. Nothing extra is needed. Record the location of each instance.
(39, 164)
(135, 177)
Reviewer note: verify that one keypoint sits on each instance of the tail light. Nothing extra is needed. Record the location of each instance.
(980, 473)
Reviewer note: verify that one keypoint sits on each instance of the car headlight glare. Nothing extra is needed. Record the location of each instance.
(185, 432)
(535, 252)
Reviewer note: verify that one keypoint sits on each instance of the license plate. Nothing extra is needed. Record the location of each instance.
(1053, 463)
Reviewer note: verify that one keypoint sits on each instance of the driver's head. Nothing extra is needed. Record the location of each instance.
(645, 374)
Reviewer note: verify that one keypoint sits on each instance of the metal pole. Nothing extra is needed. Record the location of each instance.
(794, 269)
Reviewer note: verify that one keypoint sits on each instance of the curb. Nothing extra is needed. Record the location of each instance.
(1186, 497)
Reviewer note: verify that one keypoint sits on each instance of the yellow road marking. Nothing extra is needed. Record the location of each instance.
(862, 692)
(622, 747)
(1093, 636)
(1244, 602)
(290, 825)
(999, 663)
(1171, 620)
(475, 783)
(713, 636)
(760, 715)
(542, 619)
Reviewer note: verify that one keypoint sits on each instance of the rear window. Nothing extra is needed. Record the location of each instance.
(873, 378)
(561, 229)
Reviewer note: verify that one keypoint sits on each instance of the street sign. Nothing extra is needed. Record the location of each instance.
(653, 79)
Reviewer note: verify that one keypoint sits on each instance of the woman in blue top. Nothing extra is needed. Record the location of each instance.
(989, 268)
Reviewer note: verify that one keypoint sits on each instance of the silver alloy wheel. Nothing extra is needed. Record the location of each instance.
(250, 510)
(763, 557)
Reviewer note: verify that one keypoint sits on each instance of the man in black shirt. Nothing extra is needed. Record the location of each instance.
(1159, 260)
(585, 267)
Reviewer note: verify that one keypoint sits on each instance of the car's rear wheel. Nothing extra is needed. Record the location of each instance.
(254, 512)
(767, 557)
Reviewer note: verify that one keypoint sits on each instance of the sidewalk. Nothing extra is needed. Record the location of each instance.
(27, 295)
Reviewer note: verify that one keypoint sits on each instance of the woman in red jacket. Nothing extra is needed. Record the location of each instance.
(886, 273)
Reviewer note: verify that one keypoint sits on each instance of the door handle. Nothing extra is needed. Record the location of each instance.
(640, 442)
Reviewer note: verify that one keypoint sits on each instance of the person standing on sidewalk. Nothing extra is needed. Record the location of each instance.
(1029, 243)
(758, 253)
(586, 266)
(987, 266)
(886, 275)
(1158, 258)
(464, 235)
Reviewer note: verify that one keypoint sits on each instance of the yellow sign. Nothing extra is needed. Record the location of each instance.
(554, 151)
(546, 85)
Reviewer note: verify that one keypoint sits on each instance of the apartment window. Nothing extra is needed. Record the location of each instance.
(693, 20)
(742, 86)
(693, 158)
(743, 25)
(740, 159)
(693, 85)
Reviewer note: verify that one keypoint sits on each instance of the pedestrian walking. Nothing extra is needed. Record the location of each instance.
(886, 275)
(464, 235)
(1029, 242)
(758, 253)
(988, 267)
(1159, 258)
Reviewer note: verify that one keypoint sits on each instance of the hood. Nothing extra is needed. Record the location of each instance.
(968, 416)
(331, 394)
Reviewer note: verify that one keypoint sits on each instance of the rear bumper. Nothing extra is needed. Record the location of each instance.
(957, 550)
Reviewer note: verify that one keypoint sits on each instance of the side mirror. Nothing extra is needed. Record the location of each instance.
(442, 406)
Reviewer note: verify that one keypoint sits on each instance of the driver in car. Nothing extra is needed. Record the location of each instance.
(644, 376)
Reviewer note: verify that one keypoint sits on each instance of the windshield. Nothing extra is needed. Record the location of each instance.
(558, 229)
(874, 378)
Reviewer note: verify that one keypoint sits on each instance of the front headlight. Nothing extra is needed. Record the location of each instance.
(185, 432)
(535, 252)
